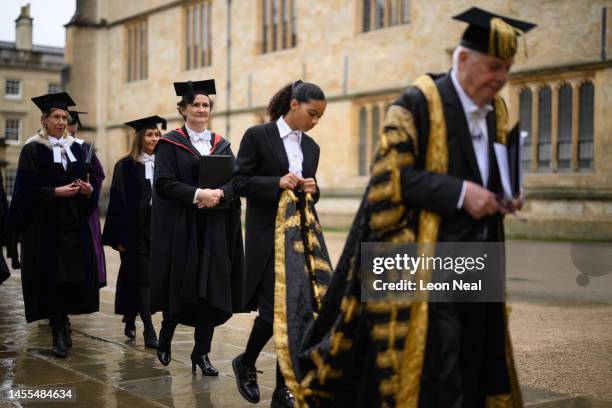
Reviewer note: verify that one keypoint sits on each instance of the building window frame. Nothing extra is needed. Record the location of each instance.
(566, 100)
(54, 88)
(370, 119)
(380, 14)
(14, 137)
(277, 22)
(198, 35)
(10, 84)
(136, 41)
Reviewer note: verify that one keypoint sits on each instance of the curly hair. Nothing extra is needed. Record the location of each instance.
(303, 92)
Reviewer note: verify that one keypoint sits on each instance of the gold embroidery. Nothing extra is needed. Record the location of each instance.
(387, 218)
(436, 161)
(349, 307)
(500, 401)
(403, 235)
(339, 343)
(398, 128)
(298, 247)
(387, 163)
(280, 313)
(382, 331)
(325, 371)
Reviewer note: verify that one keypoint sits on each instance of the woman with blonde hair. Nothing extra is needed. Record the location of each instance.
(128, 227)
(51, 204)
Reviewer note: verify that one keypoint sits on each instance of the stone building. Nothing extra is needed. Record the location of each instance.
(26, 70)
(124, 56)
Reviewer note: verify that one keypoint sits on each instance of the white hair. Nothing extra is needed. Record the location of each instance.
(459, 49)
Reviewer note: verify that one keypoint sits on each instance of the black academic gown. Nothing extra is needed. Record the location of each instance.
(128, 223)
(196, 255)
(4, 234)
(261, 162)
(58, 261)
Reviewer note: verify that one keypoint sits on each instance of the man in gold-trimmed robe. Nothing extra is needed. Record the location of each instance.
(435, 179)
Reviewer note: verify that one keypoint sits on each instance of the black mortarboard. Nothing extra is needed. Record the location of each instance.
(74, 117)
(491, 33)
(60, 100)
(206, 87)
(147, 123)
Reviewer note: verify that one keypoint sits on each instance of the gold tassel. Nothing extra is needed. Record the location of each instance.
(502, 39)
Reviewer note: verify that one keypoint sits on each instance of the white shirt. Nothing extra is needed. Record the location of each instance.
(61, 151)
(292, 140)
(475, 117)
(149, 162)
(201, 141)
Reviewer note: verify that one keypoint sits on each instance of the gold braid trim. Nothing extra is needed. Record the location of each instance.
(499, 401)
(397, 129)
(280, 287)
(387, 164)
(407, 395)
(339, 343)
(349, 307)
(501, 120)
(383, 331)
(387, 218)
(324, 371)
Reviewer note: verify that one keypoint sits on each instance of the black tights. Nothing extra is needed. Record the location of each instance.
(202, 335)
(260, 334)
(144, 308)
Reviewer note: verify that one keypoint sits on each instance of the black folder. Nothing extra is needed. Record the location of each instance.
(215, 171)
(514, 160)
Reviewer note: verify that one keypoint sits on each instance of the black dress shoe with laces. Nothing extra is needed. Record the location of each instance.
(282, 398)
(205, 365)
(246, 380)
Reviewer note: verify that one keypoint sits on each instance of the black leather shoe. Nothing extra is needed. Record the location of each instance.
(163, 350)
(282, 398)
(130, 328)
(59, 341)
(246, 380)
(205, 365)
(150, 339)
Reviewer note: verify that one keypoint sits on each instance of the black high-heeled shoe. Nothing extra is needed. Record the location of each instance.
(130, 328)
(150, 339)
(59, 340)
(164, 354)
(205, 365)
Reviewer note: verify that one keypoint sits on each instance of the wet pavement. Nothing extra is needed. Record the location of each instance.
(105, 369)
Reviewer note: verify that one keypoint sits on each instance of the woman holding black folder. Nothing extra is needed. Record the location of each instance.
(196, 238)
(128, 227)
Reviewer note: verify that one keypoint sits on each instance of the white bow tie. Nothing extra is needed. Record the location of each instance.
(149, 163)
(58, 145)
(200, 137)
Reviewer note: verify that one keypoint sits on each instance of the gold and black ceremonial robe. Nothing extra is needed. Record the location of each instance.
(395, 354)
